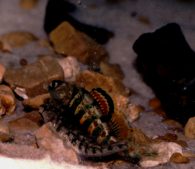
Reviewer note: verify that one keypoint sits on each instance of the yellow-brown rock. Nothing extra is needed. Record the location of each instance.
(90, 80)
(17, 39)
(7, 100)
(164, 150)
(70, 42)
(138, 137)
(28, 4)
(22, 125)
(2, 71)
(34, 78)
(179, 158)
(35, 117)
(113, 70)
(5, 135)
(189, 129)
(172, 124)
(37, 101)
(5, 47)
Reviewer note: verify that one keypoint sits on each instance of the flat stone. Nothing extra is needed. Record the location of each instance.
(164, 152)
(17, 39)
(25, 139)
(35, 117)
(47, 139)
(5, 135)
(22, 125)
(70, 42)
(34, 78)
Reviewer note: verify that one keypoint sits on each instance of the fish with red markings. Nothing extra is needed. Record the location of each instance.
(86, 118)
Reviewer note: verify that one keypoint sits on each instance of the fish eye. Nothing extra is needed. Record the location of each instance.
(54, 84)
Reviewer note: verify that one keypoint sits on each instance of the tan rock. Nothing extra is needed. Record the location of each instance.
(90, 80)
(189, 129)
(179, 158)
(70, 42)
(22, 125)
(5, 47)
(7, 100)
(36, 101)
(113, 70)
(2, 71)
(47, 139)
(134, 111)
(17, 39)
(28, 4)
(144, 19)
(182, 143)
(33, 79)
(70, 66)
(25, 139)
(164, 150)
(5, 134)
(169, 137)
(23, 128)
(35, 117)
(138, 137)
(172, 124)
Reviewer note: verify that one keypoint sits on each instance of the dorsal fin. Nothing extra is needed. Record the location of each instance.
(104, 101)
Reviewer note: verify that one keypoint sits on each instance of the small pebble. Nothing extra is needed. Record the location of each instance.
(22, 125)
(145, 20)
(189, 128)
(17, 39)
(36, 102)
(23, 62)
(28, 4)
(7, 100)
(179, 158)
(5, 135)
(2, 71)
(154, 103)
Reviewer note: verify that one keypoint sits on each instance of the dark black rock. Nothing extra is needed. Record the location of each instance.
(167, 64)
(58, 11)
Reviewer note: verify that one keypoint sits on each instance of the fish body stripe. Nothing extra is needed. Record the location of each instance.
(87, 113)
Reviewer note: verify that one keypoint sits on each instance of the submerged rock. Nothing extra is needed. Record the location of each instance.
(17, 39)
(189, 129)
(7, 101)
(28, 4)
(60, 11)
(29, 80)
(166, 63)
(70, 42)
